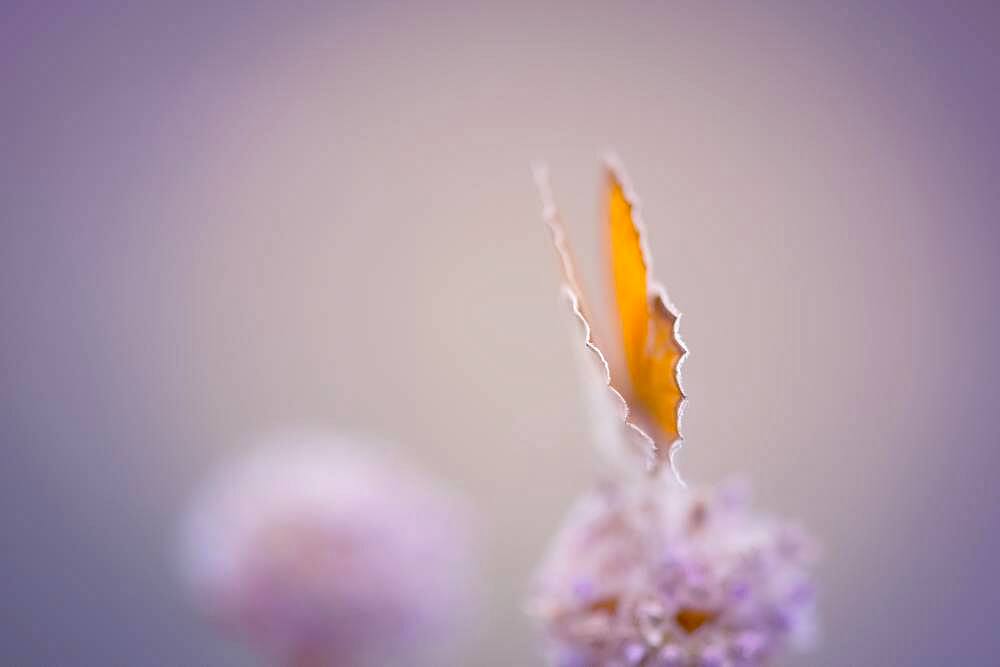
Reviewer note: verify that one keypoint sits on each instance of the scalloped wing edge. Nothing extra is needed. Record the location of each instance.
(658, 297)
(573, 293)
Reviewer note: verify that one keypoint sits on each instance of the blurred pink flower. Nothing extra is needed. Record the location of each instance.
(321, 554)
(656, 575)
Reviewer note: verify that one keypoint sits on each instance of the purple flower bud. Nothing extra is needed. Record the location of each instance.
(750, 646)
(669, 656)
(713, 656)
(634, 653)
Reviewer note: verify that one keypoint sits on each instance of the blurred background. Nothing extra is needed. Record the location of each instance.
(224, 221)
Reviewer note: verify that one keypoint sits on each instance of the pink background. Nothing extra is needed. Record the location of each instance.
(223, 222)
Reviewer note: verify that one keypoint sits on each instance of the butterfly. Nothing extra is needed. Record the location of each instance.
(638, 408)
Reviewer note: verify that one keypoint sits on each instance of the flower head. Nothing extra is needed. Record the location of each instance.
(655, 575)
(321, 554)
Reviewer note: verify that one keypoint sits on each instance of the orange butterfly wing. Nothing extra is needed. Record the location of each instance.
(652, 348)
(613, 426)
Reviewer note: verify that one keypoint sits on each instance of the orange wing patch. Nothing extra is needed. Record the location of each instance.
(628, 271)
(653, 350)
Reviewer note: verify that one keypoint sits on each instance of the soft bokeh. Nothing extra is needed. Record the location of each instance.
(320, 551)
(219, 221)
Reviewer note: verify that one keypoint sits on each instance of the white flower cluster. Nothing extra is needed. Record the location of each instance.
(654, 575)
